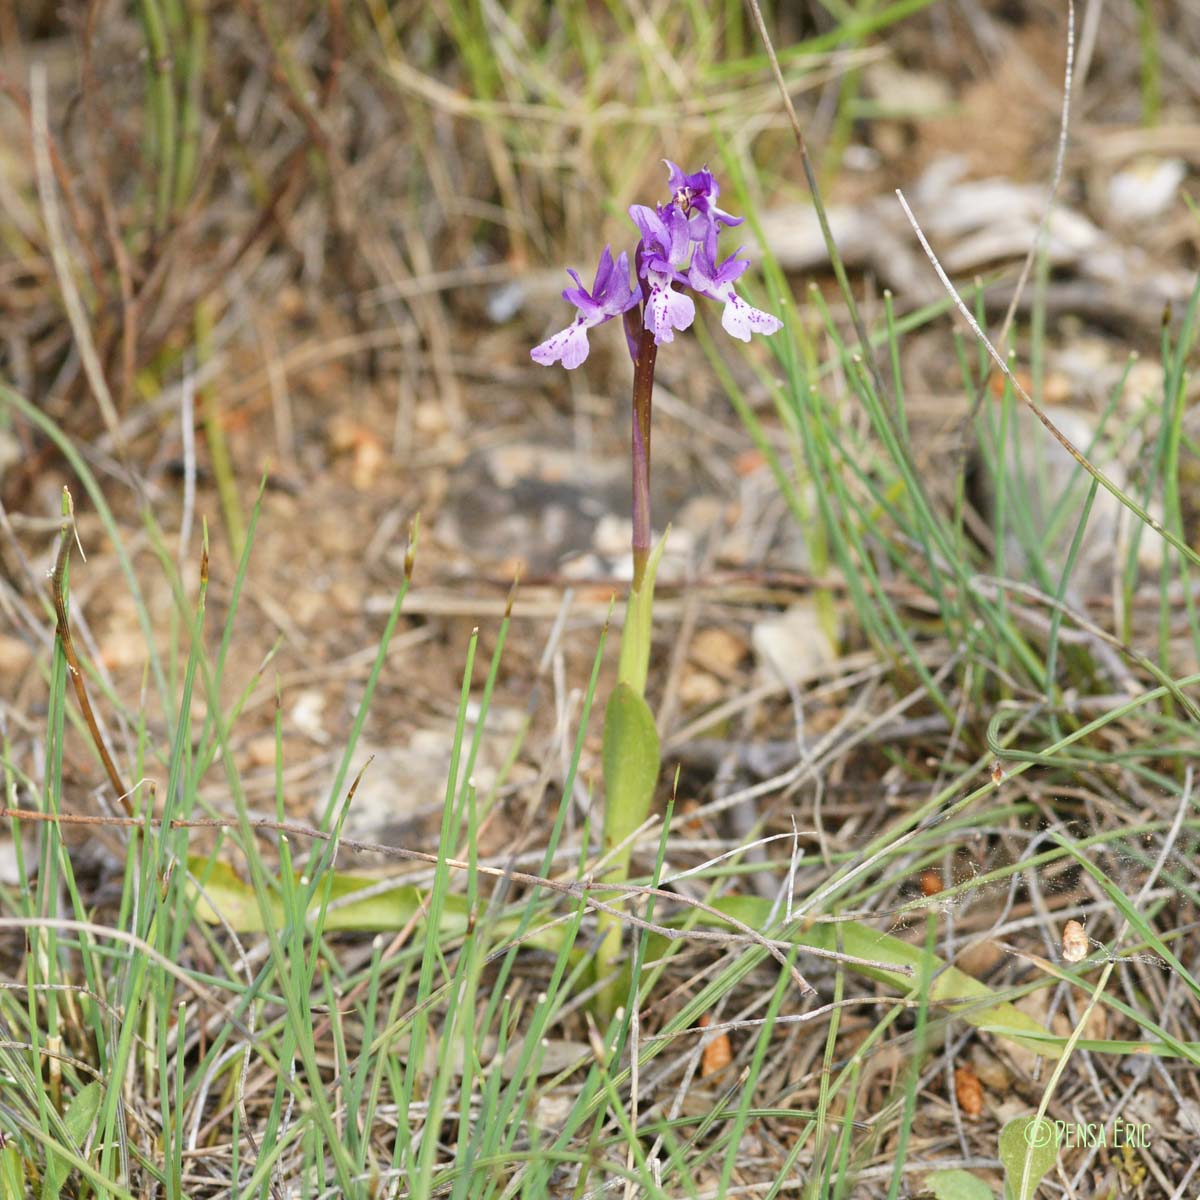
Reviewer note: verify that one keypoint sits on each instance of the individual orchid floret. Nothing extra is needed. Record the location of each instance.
(696, 195)
(610, 296)
(667, 309)
(663, 252)
(666, 239)
(716, 282)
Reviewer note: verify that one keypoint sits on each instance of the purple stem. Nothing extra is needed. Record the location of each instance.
(643, 393)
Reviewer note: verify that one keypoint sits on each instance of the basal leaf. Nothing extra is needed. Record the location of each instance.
(961, 993)
(1021, 1138)
(224, 891)
(957, 1185)
(631, 762)
(78, 1119)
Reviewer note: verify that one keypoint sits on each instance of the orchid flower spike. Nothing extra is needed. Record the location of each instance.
(677, 249)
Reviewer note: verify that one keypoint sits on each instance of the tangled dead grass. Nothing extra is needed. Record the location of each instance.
(319, 235)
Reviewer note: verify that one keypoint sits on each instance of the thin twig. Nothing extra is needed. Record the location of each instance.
(582, 889)
(22, 101)
(63, 630)
(1060, 156)
(93, 109)
(76, 313)
(1098, 475)
(835, 259)
(135, 943)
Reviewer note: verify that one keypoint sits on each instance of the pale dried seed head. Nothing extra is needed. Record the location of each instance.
(1074, 942)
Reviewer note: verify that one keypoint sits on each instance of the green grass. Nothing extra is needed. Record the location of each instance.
(250, 1015)
(429, 1014)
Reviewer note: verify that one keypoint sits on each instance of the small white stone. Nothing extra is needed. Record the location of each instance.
(1145, 189)
(793, 645)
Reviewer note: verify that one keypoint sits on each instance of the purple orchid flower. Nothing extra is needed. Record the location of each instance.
(610, 296)
(739, 319)
(677, 249)
(697, 194)
(661, 257)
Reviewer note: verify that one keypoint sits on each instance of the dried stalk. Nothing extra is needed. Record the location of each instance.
(63, 630)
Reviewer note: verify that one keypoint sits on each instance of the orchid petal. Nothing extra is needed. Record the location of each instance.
(667, 309)
(570, 346)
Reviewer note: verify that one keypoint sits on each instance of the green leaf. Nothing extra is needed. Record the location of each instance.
(224, 891)
(951, 989)
(78, 1120)
(1021, 1138)
(957, 1185)
(12, 1172)
(631, 757)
